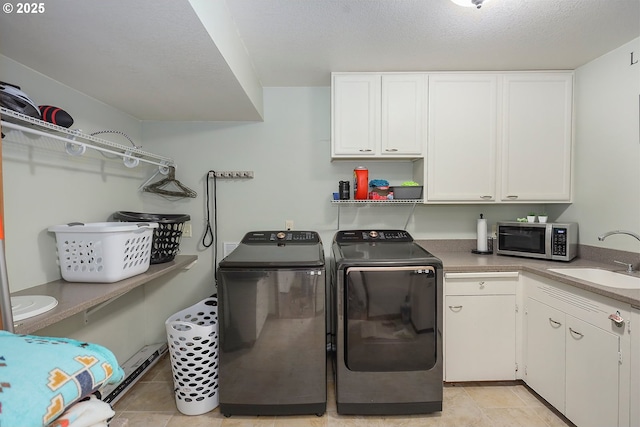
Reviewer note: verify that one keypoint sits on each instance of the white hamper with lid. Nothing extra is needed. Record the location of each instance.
(192, 335)
(103, 251)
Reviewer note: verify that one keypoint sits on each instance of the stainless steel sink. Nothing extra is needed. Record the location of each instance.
(601, 277)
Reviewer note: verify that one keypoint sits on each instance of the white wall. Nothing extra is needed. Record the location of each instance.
(43, 186)
(294, 177)
(607, 149)
(290, 155)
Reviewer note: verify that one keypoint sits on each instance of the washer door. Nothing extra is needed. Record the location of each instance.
(390, 318)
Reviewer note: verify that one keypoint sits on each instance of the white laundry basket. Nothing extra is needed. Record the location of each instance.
(192, 336)
(103, 251)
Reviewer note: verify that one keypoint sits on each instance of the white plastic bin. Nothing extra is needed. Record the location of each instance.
(192, 335)
(103, 251)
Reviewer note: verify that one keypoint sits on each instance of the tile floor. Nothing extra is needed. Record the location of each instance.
(151, 403)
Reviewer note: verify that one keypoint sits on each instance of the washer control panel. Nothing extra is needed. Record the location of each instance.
(355, 236)
(289, 236)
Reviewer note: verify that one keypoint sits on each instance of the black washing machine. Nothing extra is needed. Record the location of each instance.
(273, 351)
(386, 324)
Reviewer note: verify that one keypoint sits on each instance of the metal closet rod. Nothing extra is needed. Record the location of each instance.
(131, 155)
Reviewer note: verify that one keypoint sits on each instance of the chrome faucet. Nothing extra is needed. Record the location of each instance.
(629, 233)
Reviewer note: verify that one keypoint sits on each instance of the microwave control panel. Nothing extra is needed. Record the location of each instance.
(559, 241)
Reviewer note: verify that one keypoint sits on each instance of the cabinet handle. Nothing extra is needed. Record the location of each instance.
(557, 324)
(576, 333)
(455, 307)
(365, 150)
(393, 150)
(486, 197)
(512, 197)
(617, 319)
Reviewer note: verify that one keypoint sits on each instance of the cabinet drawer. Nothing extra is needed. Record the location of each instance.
(580, 303)
(485, 283)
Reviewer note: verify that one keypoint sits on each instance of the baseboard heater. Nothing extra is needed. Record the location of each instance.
(133, 368)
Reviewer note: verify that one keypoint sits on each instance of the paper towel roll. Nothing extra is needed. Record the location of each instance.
(482, 234)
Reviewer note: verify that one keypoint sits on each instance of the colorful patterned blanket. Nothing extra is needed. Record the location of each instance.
(40, 377)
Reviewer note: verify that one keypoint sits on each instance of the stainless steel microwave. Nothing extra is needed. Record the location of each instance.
(554, 241)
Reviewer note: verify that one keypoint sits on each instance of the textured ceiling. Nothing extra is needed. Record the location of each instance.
(298, 42)
(158, 59)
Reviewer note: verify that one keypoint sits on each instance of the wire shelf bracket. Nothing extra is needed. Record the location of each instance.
(412, 202)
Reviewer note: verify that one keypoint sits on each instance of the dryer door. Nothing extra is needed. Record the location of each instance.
(390, 318)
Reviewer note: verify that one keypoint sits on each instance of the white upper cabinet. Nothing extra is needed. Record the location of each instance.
(378, 115)
(537, 137)
(503, 137)
(462, 137)
(403, 115)
(498, 138)
(355, 115)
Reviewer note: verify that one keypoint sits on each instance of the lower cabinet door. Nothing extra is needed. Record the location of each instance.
(545, 354)
(480, 338)
(592, 375)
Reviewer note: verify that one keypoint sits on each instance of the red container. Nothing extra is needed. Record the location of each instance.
(360, 183)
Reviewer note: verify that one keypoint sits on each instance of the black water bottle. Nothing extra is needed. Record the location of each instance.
(344, 190)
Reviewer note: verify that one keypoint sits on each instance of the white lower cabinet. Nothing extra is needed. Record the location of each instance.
(480, 326)
(576, 358)
(591, 399)
(574, 354)
(634, 386)
(545, 369)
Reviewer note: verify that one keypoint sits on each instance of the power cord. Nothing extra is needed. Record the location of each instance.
(210, 233)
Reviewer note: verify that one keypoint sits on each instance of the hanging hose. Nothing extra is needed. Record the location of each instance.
(210, 233)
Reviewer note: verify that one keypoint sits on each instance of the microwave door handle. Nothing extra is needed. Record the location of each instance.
(547, 239)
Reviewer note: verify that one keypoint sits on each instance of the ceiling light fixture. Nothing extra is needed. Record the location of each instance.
(471, 3)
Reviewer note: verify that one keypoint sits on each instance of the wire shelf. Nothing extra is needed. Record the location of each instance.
(412, 202)
(377, 202)
(76, 141)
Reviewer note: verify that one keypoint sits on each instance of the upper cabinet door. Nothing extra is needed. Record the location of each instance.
(462, 138)
(355, 115)
(537, 137)
(403, 114)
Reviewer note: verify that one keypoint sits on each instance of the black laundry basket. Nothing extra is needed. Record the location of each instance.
(166, 238)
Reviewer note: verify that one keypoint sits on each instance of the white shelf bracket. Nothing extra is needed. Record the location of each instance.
(90, 311)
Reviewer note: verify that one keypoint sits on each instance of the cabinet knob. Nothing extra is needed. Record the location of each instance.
(481, 284)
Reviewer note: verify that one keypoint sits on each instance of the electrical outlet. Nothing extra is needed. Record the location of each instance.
(231, 174)
(229, 247)
(288, 224)
(186, 230)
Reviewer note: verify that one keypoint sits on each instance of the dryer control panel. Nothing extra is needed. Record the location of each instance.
(354, 236)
